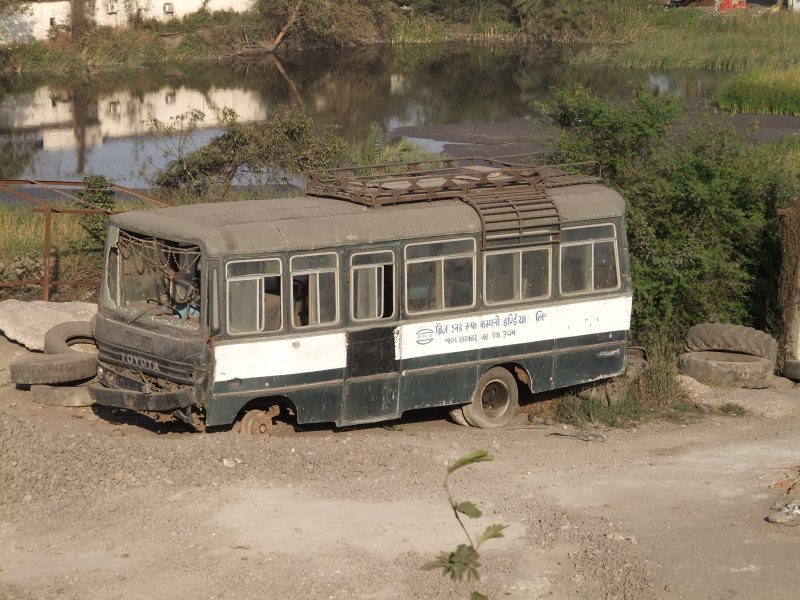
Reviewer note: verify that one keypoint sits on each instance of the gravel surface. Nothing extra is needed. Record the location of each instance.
(102, 505)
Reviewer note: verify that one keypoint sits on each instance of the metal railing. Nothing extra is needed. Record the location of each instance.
(54, 198)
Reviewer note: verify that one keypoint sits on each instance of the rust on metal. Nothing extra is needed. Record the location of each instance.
(50, 197)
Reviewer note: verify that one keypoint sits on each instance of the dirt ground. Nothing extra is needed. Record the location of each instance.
(107, 507)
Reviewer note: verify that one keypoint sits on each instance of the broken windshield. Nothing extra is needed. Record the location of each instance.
(153, 278)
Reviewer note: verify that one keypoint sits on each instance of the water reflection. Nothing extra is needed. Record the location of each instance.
(60, 131)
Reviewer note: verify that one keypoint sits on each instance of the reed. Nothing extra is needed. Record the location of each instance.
(419, 30)
(40, 57)
(773, 92)
(130, 48)
(691, 40)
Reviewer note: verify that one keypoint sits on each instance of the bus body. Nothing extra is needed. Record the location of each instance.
(371, 296)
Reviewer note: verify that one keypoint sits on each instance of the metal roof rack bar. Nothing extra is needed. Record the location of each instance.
(377, 185)
(511, 199)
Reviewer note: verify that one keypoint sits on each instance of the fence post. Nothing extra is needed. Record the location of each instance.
(46, 276)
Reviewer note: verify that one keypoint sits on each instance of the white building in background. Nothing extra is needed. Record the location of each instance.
(51, 113)
(68, 134)
(35, 22)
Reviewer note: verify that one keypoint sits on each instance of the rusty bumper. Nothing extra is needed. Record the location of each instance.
(142, 401)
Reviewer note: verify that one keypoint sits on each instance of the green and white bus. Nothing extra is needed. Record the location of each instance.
(372, 295)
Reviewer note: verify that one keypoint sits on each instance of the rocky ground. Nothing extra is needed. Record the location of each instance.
(100, 505)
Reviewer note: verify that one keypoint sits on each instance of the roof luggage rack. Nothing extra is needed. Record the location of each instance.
(510, 199)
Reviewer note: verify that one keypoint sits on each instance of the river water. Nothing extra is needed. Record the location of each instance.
(103, 126)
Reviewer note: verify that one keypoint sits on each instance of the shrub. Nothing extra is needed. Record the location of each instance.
(96, 195)
(285, 144)
(701, 208)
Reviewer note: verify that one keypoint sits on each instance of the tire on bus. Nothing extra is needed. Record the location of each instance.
(495, 400)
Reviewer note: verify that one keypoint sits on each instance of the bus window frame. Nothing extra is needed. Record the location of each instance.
(520, 250)
(352, 286)
(262, 321)
(439, 258)
(590, 241)
(337, 322)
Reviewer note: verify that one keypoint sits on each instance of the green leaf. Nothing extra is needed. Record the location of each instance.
(460, 564)
(469, 509)
(468, 459)
(478, 596)
(492, 532)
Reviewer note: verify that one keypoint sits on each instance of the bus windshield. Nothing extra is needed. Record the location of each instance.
(152, 278)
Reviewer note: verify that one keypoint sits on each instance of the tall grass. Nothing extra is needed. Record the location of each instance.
(419, 30)
(23, 231)
(774, 92)
(693, 40)
(40, 57)
(131, 48)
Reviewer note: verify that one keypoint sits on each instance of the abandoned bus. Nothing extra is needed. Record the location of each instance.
(370, 296)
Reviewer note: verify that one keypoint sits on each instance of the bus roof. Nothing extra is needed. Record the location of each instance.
(309, 223)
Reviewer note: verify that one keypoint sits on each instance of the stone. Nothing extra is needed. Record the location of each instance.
(28, 322)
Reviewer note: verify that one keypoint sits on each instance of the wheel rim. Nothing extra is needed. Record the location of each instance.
(256, 422)
(495, 399)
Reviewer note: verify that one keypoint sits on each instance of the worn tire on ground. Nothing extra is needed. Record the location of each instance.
(731, 368)
(66, 367)
(791, 369)
(495, 400)
(62, 337)
(732, 338)
(61, 395)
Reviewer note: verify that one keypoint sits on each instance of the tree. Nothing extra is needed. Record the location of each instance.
(265, 151)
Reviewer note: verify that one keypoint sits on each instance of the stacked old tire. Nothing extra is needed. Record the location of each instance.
(735, 355)
(59, 376)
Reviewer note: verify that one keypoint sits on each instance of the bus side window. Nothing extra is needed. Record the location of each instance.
(372, 285)
(254, 296)
(590, 266)
(440, 275)
(315, 289)
(515, 275)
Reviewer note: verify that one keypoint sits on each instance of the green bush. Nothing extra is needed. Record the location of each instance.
(701, 213)
(96, 195)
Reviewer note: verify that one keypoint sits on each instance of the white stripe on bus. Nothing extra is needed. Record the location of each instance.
(508, 326)
(244, 360)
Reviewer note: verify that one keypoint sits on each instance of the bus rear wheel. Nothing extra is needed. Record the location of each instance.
(495, 400)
